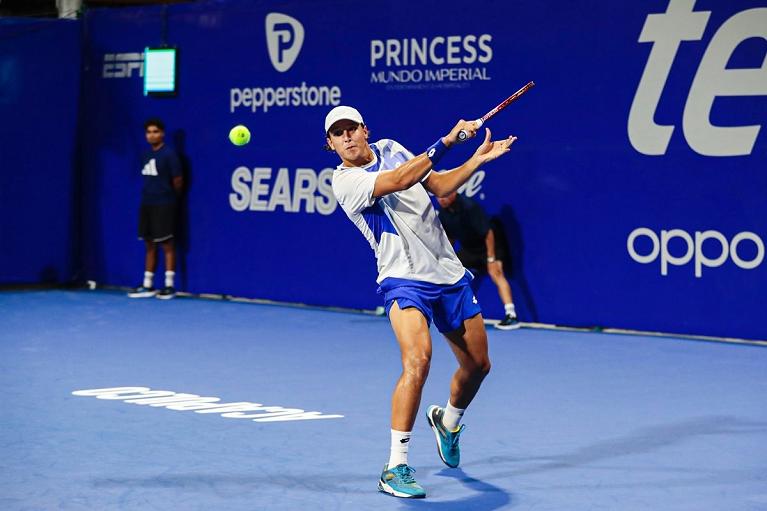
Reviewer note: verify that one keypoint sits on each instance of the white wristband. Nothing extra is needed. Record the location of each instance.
(491, 259)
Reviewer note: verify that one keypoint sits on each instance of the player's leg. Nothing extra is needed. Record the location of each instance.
(458, 316)
(169, 290)
(146, 289)
(150, 261)
(166, 226)
(469, 344)
(169, 249)
(412, 332)
(495, 270)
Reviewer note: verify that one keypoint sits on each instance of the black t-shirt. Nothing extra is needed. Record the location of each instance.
(159, 169)
(465, 222)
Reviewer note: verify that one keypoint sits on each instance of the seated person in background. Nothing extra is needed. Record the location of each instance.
(465, 222)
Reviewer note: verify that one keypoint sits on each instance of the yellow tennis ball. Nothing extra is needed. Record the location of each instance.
(239, 135)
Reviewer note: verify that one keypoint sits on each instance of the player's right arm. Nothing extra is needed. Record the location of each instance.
(403, 177)
(416, 169)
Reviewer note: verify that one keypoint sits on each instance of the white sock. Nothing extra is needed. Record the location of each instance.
(169, 278)
(148, 277)
(400, 440)
(452, 417)
(509, 308)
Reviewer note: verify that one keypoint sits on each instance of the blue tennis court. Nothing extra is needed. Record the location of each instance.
(566, 420)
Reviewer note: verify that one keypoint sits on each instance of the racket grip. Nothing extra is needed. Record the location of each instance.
(463, 135)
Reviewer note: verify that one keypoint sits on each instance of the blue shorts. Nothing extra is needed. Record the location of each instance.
(448, 305)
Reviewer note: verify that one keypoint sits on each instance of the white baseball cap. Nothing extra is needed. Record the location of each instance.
(340, 113)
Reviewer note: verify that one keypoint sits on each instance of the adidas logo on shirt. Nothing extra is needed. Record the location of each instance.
(150, 169)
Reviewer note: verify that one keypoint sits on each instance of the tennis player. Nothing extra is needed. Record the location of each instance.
(383, 187)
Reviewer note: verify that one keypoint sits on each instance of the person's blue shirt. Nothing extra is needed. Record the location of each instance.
(159, 168)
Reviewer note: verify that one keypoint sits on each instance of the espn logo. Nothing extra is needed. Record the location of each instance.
(122, 65)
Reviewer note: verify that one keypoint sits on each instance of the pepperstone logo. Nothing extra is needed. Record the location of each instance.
(284, 38)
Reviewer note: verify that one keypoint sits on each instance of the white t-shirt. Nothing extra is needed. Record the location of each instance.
(402, 227)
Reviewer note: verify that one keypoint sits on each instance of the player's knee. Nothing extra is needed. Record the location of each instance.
(417, 365)
(484, 367)
(480, 368)
(420, 362)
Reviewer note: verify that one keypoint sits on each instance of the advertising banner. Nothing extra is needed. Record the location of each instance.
(634, 197)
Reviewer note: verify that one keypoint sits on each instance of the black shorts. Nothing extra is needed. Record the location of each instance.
(476, 259)
(157, 222)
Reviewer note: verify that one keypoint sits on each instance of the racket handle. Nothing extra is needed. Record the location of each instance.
(463, 135)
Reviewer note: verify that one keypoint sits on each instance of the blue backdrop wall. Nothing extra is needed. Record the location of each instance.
(634, 198)
(39, 93)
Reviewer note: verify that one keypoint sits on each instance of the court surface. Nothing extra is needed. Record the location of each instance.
(565, 421)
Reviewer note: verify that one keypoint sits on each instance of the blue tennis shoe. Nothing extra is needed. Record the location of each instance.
(447, 441)
(399, 482)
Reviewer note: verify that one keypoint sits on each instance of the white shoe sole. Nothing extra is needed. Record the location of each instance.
(147, 294)
(165, 297)
(508, 327)
(385, 488)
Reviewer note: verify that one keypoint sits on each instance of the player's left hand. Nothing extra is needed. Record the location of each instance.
(489, 151)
